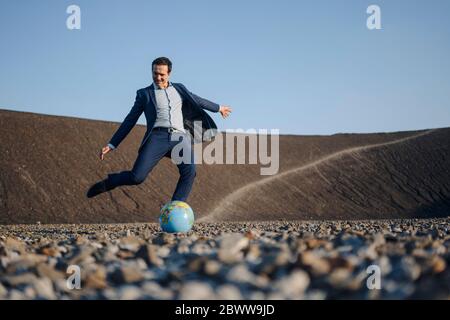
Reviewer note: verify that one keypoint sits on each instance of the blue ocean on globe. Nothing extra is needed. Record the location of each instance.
(176, 216)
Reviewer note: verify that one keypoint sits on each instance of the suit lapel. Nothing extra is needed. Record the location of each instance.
(151, 92)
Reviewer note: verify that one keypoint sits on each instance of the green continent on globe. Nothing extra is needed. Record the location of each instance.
(164, 218)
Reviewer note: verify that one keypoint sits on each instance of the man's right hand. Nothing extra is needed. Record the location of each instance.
(104, 151)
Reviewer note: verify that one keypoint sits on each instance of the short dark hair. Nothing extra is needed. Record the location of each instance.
(163, 61)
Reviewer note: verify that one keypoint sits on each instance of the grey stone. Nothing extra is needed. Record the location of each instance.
(44, 270)
(150, 255)
(294, 284)
(196, 290)
(95, 277)
(340, 278)
(163, 251)
(164, 238)
(15, 294)
(317, 264)
(44, 288)
(129, 292)
(83, 256)
(228, 292)
(16, 280)
(408, 269)
(212, 267)
(3, 291)
(231, 246)
(128, 274)
(155, 291)
(241, 274)
(130, 243)
(15, 245)
(201, 249)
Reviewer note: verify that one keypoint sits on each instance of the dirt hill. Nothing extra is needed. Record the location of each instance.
(47, 163)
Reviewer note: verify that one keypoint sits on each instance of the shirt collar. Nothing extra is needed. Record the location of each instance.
(158, 88)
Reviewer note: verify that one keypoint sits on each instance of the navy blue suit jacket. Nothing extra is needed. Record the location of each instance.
(192, 109)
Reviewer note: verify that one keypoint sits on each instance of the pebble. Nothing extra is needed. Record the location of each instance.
(164, 239)
(47, 271)
(129, 274)
(212, 267)
(438, 264)
(15, 245)
(340, 278)
(294, 284)
(96, 278)
(130, 243)
(231, 246)
(155, 291)
(16, 280)
(228, 292)
(3, 291)
(196, 290)
(129, 293)
(44, 288)
(241, 274)
(318, 265)
(150, 254)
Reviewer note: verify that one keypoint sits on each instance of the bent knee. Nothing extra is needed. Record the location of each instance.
(137, 179)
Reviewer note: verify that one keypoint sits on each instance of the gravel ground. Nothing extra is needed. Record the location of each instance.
(268, 260)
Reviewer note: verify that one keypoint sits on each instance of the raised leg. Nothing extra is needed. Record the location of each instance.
(151, 153)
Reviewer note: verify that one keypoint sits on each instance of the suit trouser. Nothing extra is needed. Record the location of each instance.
(157, 146)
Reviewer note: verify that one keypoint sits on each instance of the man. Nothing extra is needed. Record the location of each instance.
(170, 110)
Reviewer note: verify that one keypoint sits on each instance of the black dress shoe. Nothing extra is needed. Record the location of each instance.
(96, 189)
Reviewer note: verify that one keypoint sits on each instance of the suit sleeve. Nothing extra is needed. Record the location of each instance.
(206, 104)
(203, 103)
(129, 121)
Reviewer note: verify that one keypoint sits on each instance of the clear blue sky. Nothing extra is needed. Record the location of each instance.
(304, 67)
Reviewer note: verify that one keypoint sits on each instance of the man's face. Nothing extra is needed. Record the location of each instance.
(161, 75)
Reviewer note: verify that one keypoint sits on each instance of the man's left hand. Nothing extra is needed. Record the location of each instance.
(225, 111)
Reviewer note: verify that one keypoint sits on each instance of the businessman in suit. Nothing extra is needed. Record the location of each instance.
(170, 110)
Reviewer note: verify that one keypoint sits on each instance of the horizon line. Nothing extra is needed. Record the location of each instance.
(281, 134)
